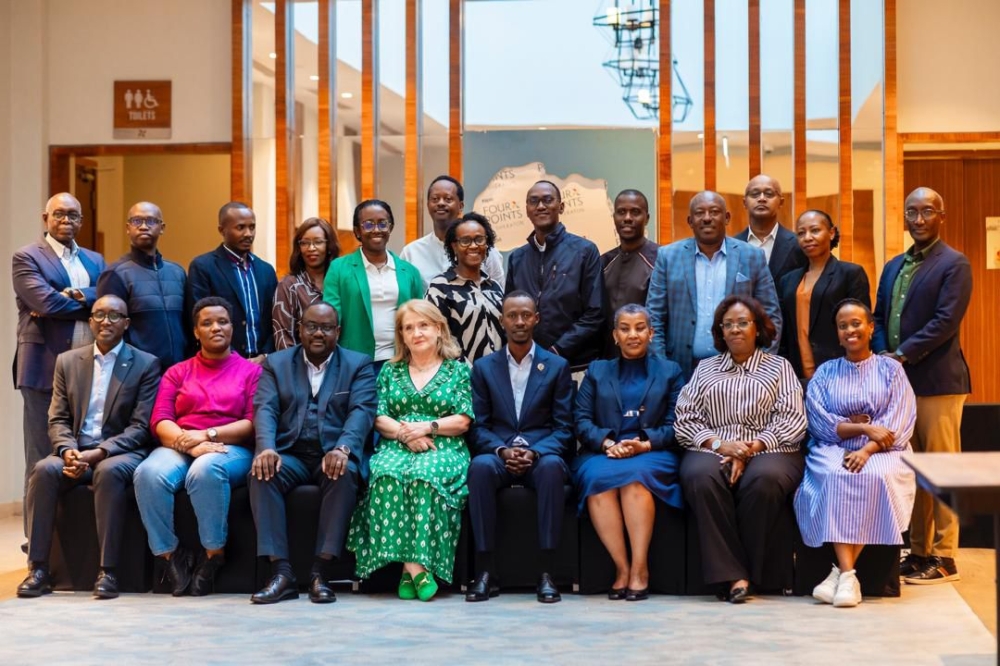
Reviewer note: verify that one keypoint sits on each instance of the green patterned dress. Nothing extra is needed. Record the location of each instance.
(413, 509)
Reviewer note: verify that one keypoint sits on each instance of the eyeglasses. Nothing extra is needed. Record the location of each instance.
(71, 215)
(381, 225)
(767, 194)
(148, 221)
(101, 315)
(742, 324)
(911, 214)
(310, 328)
(547, 200)
(312, 244)
(466, 242)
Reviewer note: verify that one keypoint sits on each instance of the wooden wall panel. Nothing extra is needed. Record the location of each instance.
(892, 152)
(753, 25)
(864, 234)
(327, 104)
(844, 120)
(369, 97)
(414, 114)
(285, 134)
(456, 114)
(240, 180)
(664, 148)
(800, 190)
(711, 149)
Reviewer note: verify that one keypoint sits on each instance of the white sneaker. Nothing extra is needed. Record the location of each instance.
(848, 590)
(828, 588)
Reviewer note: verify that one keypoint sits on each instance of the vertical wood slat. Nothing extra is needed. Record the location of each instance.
(327, 103)
(753, 40)
(456, 108)
(284, 130)
(369, 97)
(892, 152)
(710, 146)
(413, 125)
(664, 152)
(799, 197)
(844, 120)
(240, 182)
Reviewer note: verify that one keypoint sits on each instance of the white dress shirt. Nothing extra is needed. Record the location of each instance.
(519, 373)
(316, 373)
(766, 243)
(384, 289)
(93, 423)
(429, 256)
(79, 278)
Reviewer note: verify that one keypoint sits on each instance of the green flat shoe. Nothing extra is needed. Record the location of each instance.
(426, 586)
(407, 590)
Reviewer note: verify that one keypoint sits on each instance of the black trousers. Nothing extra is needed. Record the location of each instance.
(487, 474)
(742, 529)
(337, 500)
(110, 478)
(37, 445)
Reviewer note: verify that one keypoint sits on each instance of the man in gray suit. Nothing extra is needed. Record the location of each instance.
(102, 395)
(692, 276)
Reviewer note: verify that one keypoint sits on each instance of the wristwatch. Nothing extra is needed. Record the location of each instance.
(213, 435)
(434, 428)
(716, 445)
(343, 449)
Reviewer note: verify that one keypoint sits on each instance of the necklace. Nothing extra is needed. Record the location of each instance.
(431, 366)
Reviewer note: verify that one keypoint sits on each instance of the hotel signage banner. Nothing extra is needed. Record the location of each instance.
(142, 109)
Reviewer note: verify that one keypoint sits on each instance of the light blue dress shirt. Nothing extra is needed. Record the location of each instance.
(93, 423)
(710, 289)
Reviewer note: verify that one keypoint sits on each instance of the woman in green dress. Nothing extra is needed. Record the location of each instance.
(413, 510)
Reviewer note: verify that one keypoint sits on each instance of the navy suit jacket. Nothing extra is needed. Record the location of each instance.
(929, 322)
(786, 255)
(599, 404)
(346, 401)
(39, 277)
(212, 274)
(546, 411)
(672, 288)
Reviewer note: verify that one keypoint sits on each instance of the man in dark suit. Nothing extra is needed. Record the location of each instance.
(99, 427)
(522, 396)
(54, 283)
(313, 410)
(692, 276)
(236, 274)
(763, 200)
(922, 298)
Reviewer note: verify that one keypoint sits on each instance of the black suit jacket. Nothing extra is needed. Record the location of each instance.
(346, 401)
(839, 280)
(212, 274)
(786, 255)
(546, 420)
(127, 406)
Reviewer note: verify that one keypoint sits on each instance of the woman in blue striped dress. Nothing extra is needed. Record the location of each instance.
(856, 489)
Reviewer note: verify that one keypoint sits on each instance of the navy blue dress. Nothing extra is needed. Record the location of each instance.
(593, 471)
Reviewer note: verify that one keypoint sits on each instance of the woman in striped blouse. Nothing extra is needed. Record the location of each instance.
(741, 419)
(856, 489)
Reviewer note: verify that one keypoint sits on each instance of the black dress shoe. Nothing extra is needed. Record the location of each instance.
(35, 584)
(320, 592)
(547, 592)
(106, 586)
(203, 581)
(617, 593)
(179, 571)
(482, 588)
(279, 588)
(739, 595)
(637, 595)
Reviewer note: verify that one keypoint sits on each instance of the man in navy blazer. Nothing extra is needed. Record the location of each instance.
(313, 411)
(692, 276)
(922, 298)
(522, 396)
(55, 286)
(236, 274)
(763, 200)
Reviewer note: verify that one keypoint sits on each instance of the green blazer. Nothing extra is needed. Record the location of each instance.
(346, 289)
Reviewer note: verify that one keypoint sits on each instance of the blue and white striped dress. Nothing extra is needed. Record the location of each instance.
(872, 506)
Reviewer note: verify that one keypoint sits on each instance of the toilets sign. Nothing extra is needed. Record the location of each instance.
(142, 110)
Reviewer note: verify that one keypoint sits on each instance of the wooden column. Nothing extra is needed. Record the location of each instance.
(240, 181)
(285, 130)
(844, 122)
(456, 107)
(327, 103)
(800, 191)
(369, 97)
(711, 151)
(414, 123)
(753, 40)
(664, 149)
(893, 150)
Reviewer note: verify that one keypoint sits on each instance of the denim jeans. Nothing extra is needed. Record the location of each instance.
(208, 480)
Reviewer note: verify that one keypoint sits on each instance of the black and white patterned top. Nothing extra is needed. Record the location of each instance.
(761, 399)
(293, 297)
(473, 312)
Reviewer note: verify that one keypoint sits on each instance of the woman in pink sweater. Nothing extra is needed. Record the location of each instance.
(203, 420)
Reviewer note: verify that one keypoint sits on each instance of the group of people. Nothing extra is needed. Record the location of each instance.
(407, 386)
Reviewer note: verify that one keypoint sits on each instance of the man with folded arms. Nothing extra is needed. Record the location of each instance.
(99, 426)
(313, 410)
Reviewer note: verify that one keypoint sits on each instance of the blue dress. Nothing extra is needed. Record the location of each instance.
(594, 472)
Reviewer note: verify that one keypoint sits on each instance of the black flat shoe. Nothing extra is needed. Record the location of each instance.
(547, 592)
(203, 581)
(739, 595)
(106, 586)
(179, 571)
(617, 593)
(279, 588)
(35, 584)
(637, 595)
(482, 588)
(320, 592)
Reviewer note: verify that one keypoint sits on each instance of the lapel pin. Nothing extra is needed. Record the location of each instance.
(541, 367)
